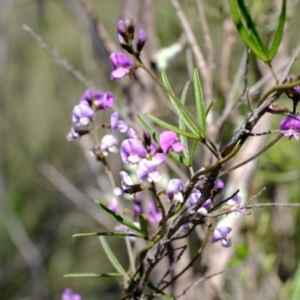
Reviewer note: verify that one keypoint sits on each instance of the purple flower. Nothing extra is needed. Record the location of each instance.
(127, 185)
(205, 206)
(108, 144)
(116, 123)
(296, 90)
(174, 189)
(221, 234)
(236, 204)
(291, 126)
(113, 206)
(141, 40)
(147, 169)
(132, 151)
(219, 186)
(194, 197)
(121, 27)
(72, 135)
(82, 114)
(87, 97)
(132, 134)
(137, 206)
(121, 65)
(154, 213)
(68, 294)
(169, 141)
(104, 101)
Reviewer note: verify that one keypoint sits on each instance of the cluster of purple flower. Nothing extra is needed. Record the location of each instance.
(121, 63)
(83, 115)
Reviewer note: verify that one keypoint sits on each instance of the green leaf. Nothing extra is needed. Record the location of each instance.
(179, 158)
(200, 105)
(296, 285)
(211, 104)
(110, 255)
(144, 226)
(157, 290)
(113, 233)
(181, 110)
(192, 151)
(147, 126)
(173, 128)
(120, 219)
(279, 32)
(182, 138)
(93, 275)
(251, 26)
(249, 40)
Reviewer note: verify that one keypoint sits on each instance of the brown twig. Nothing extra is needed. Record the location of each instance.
(199, 58)
(57, 59)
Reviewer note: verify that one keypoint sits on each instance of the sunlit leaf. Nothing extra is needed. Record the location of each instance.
(147, 126)
(183, 138)
(110, 255)
(144, 226)
(172, 127)
(200, 105)
(113, 233)
(157, 290)
(244, 33)
(93, 275)
(117, 217)
(279, 32)
(181, 110)
(250, 25)
(179, 158)
(211, 104)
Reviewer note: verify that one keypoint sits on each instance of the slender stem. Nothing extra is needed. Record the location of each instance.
(113, 185)
(190, 264)
(255, 155)
(162, 208)
(272, 70)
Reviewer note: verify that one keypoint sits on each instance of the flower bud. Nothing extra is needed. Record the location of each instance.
(141, 40)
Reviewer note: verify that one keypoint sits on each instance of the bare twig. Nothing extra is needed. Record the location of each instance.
(57, 59)
(207, 277)
(101, 32)
(199, 58)
(209, 47)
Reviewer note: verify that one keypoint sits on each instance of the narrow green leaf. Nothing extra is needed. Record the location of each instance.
(192, 151)
(113, 233)
(157, 290)
(179, 158)
(182, 138)
(279, 32)
(93, 275)
(147, 126)
(144, 226)
(120, 219)
(181, 110)
(251, 26)
(173, 128)
(211, 104)
(167, 83)
(110, 255)
(249, 41)
(200, 105)
(296, 285)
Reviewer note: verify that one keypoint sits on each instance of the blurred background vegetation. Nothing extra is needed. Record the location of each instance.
(36, 99)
